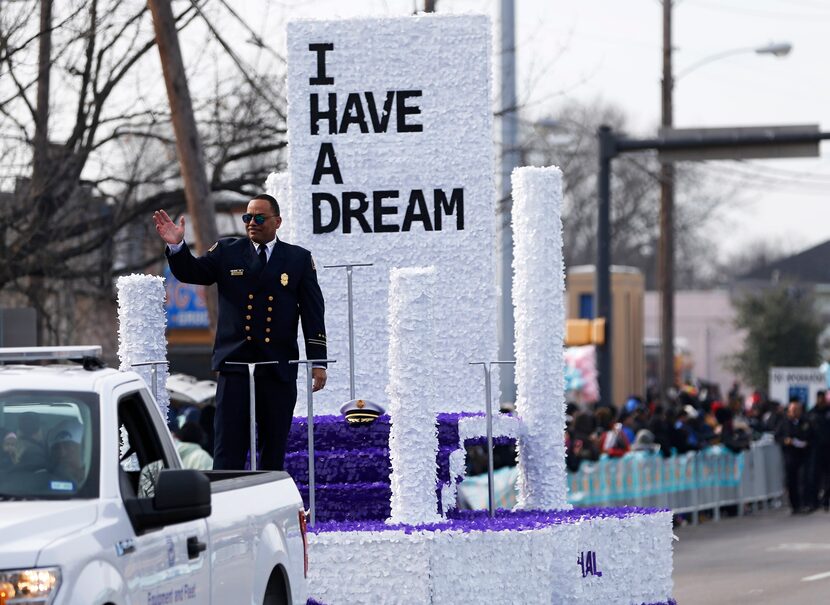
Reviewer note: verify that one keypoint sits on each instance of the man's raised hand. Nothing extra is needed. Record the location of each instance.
(169, 231)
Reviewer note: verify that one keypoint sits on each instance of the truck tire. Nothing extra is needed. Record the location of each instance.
(276, 592)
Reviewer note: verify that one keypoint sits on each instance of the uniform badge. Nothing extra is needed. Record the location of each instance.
(213, 247)
(284, 279)
(237, 272)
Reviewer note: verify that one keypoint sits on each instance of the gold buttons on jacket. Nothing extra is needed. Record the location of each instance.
(250, 296)
(270, 309)
(247, 328)
(267, 339)
(248, 317)
(267, 319)
(248, 337)
(250, 307)
(269, 298)
(267, 330)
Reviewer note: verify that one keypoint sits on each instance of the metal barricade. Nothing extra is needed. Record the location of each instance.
(687, 483)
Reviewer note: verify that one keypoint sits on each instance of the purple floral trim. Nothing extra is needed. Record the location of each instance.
(333, 432)
(504, 520)
(443, 459)
(367, 465)
(358, 455)
(501, 440)
(448, 426)
(343, 502)
(669, 602)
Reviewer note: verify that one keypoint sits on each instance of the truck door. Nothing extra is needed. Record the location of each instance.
(169, 564)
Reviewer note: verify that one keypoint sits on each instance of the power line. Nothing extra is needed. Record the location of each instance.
(754, 180)
(754, 12)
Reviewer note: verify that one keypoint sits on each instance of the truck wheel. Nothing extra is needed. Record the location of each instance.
(276, 593)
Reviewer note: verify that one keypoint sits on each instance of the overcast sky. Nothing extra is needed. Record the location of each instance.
(610, 49)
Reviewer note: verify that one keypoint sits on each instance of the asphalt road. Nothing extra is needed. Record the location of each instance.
(766, 558)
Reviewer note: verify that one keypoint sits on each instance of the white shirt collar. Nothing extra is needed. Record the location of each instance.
(270, 245)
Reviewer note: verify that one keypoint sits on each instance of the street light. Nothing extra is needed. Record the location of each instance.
(776, 49)
(665, 264)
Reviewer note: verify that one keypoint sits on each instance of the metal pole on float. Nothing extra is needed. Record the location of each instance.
(349, 267)
(308, 367)
(252, 400)
(488, 381)
(153, 375)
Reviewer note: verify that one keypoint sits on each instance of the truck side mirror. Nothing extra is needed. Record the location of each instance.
(180, 496)
(182, 489)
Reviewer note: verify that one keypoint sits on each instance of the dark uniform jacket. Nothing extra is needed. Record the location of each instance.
(794, 429)
(820, 421)
(259, 308)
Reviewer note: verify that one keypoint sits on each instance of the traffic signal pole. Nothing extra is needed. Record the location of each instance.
(677, 145)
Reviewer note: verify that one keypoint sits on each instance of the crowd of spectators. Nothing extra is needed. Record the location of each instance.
(693, 421)
(696, 420)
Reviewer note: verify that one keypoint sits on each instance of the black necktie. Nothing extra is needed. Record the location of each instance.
(263, 258)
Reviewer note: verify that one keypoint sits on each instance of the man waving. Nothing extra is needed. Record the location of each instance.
(266, 287)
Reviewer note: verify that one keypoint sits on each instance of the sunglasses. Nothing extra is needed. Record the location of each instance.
(257, 218)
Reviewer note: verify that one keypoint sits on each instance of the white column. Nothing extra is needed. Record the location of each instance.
(141, 324)
(413, 436)
(539, 307)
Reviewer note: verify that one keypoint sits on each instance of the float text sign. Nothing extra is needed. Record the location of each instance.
(390, 158)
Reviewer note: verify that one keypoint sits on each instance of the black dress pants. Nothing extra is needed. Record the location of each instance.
(794, 467)
(275, 401)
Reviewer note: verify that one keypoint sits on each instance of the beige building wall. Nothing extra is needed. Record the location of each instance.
(704, 324)
(627, 295)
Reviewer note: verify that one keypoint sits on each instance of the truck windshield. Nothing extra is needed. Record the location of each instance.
(48, 445)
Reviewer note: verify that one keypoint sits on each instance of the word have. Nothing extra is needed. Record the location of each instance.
(353, 113)
(588, 562)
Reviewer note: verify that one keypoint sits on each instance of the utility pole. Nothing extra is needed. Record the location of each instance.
(509, 160)
(40, 195)
(188, 145)
(40, 155)
(665, 262)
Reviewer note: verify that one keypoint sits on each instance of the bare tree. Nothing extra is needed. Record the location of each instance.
(83, 170)
(569, 141)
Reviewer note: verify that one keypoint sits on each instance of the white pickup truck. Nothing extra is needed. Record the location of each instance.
(84, 522)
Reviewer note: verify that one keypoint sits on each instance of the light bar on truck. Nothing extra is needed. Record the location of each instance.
(24, 354)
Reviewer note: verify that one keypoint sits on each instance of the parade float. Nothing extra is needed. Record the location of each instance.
(391, 170)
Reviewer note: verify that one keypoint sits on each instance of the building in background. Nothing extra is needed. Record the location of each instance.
(627, 289)
(705, 335)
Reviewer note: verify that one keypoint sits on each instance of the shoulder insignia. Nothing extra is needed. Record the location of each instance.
(213, 247)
